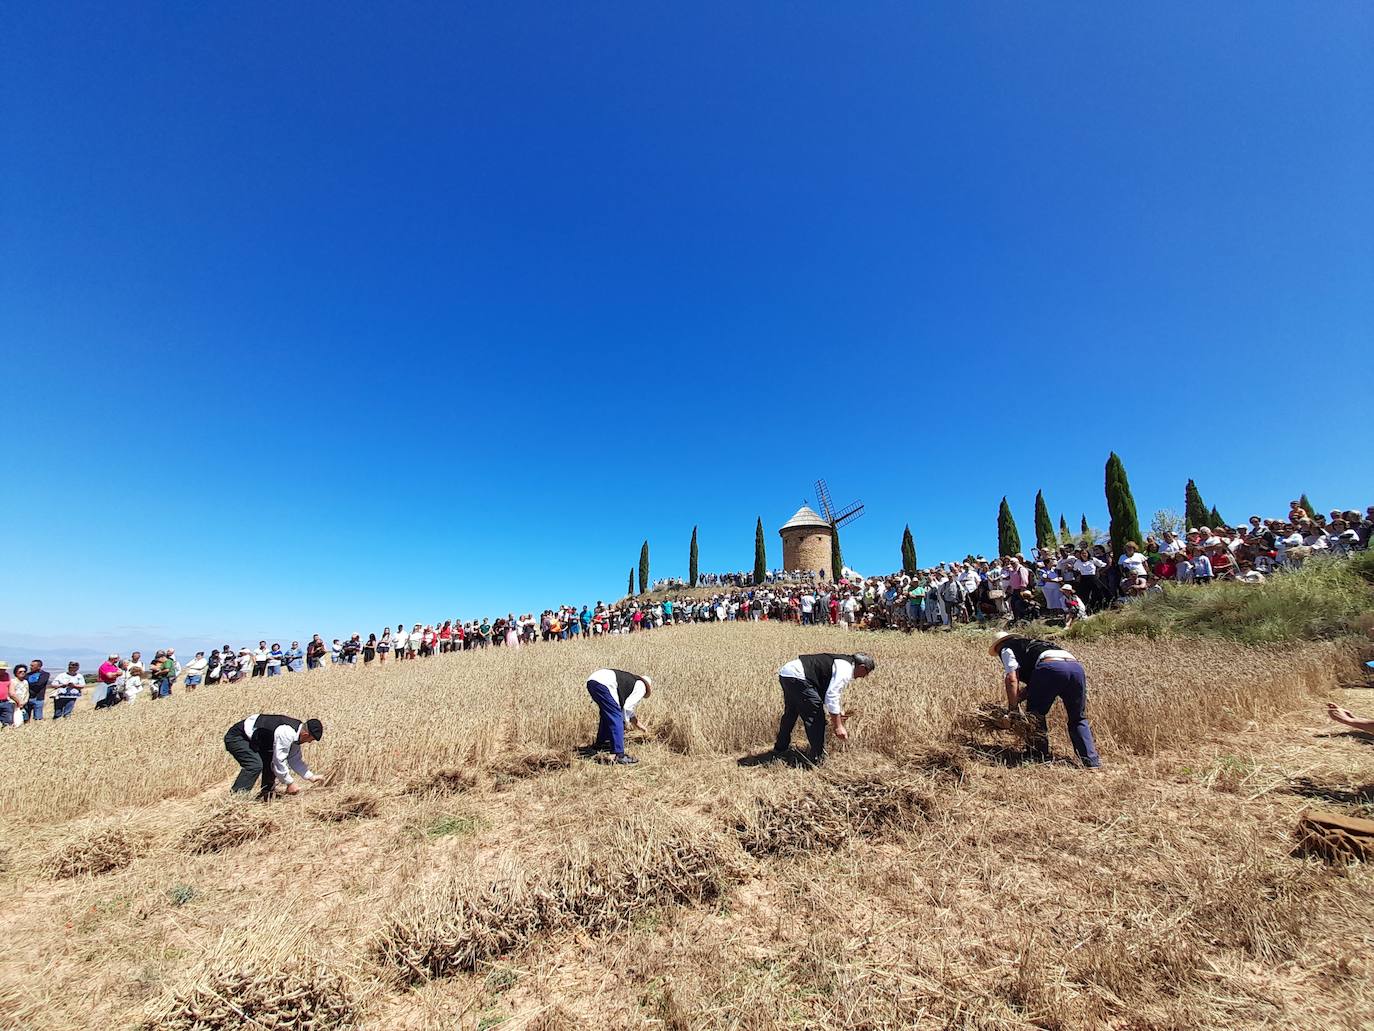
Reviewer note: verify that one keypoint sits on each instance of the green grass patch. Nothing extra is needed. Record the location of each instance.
(450, 824)
(1324, 600)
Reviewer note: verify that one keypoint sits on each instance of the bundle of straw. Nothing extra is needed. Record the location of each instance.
(229, 824)
(94, 850)
(262, 977)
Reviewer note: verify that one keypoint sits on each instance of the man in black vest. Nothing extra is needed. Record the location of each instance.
(617, 694)
(1038, 672)
(812, 689)
(270, 746)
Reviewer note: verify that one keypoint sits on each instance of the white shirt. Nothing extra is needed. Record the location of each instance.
(1088, 566)
(286, 750)
(68, 685)
(1010, 664)
(606, 678)
(1134, 564)
(840, 677)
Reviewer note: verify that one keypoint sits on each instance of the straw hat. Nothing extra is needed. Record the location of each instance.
(996, 645)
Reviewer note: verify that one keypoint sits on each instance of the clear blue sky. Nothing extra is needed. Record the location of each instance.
(319, 316)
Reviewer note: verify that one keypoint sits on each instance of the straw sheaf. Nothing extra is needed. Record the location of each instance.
(264, 977)
(469, 918)
(356, 805)
(95, 850)
(229, 824)
(824, 814)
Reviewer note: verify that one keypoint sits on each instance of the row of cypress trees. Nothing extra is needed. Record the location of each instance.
(1124, 526)
(760, 559)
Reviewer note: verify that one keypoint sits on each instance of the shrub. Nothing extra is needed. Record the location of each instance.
(1324, 600)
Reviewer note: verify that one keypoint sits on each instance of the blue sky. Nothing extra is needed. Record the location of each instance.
(316, 317)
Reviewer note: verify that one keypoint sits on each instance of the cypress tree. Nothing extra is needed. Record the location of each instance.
(644, 568)
(1008, 539)
(630, 587)
(1307, 505)
(1044, 527)
(1063, 529)
(692, 561)
(836, 559)
(1194, 509)
(1083, 527)
(908, 552)
(760, 554)
(1125, 524)
(1214, 518)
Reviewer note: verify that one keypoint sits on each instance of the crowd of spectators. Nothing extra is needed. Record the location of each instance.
(735, 579)
(1061, 584)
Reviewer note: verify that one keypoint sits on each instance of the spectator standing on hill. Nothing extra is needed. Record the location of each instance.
(269, 746)
(195, 671)
(7, 699)
(1050, 673)
(260, 660)
(813, 691)
(314, 652)
(67, 688)
(274, 660)
(39, 678)
(295, 658)
(617, 695)
(109, 674)
(19, 693)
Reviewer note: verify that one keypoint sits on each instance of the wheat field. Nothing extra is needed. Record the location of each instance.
(460, 870)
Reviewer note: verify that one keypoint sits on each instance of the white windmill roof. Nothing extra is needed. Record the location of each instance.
(805, 517)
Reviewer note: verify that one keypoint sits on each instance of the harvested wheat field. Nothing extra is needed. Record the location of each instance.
(458, 871)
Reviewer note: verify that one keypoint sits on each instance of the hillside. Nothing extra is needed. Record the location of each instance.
(459, 871)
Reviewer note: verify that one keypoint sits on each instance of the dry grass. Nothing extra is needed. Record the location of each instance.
(228, 824)
(1144, 700)
(825, 812)
(461, 921)
(355, 805)
(524, 765)
(598, 884)
(263, 977)
(94, 850)
(448, 781)
(603, 881)
(471, 876)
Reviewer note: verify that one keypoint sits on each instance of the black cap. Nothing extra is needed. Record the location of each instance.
(315, 727)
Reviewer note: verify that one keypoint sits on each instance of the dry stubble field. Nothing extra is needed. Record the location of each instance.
(459, 872)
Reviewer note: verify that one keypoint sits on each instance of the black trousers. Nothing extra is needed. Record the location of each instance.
(801, 701)
(250, 762)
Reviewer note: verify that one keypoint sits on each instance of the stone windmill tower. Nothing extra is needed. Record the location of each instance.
(807, 536)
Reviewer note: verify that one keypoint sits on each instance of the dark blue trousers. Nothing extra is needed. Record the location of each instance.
(610, 732)
(1063, 680)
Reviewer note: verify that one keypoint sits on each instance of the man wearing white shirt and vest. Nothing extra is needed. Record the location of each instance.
(1038, 672)
(617, 694)
(813, 691)
(270, 746)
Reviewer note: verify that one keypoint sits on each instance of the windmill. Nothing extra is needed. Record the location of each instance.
(836, 519)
